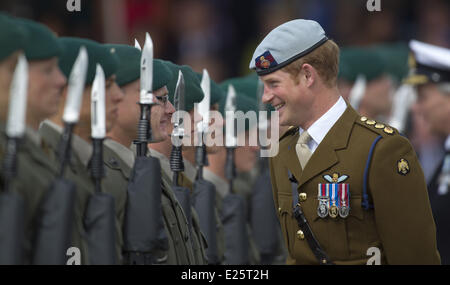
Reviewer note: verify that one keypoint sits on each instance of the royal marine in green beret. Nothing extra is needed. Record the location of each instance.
(194, 93)
(119, 155)
(78, 170)
(36, 167)
(97, 53)
(12, 36)
(42, 42)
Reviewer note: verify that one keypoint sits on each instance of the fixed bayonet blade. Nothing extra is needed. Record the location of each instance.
(98, 104)
(146, 96)
(15, 125)
(178, 102)
(77, 79)
(203, 106)
(230, 109)
(137, 45)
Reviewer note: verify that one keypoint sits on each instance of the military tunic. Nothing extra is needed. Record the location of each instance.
(76, 172)
(35, 173)
(197, 240)
(222, 187)
(400, 225)
(120, 161)
(37, 169)
(187, 180)
(81, 155)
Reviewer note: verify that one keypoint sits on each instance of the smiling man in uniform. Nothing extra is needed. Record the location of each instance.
(363, 175)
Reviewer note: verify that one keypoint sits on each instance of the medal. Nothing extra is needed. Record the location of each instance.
(344, 208)
(334, 210)
(322, 196)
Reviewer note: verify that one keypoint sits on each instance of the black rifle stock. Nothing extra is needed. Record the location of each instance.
(12, 210)
(100, 219)
(144, 228)
(56, 213)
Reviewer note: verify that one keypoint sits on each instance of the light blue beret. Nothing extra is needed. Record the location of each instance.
(285, 44)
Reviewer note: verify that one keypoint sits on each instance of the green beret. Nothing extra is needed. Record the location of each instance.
(395, 57)
(41, 42)
(243, 103)
(247, 85)
(97, 53)
(193, 92)
(12, 37)
(129, 68)
(216, 91)
(355, 60)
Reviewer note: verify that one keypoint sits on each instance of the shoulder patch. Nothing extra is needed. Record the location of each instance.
(403, 166)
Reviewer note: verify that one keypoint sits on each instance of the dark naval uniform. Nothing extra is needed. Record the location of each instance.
(389, 206)
(440, 201)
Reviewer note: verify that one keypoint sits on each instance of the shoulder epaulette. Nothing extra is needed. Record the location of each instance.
(291, 131)
(377, 127)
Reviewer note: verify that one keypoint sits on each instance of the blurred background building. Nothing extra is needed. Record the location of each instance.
(221, 34)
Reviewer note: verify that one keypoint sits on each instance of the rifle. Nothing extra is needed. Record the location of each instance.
(100, 215)
(12, 208)
(234, 213)
(57, 211)
(144, 228)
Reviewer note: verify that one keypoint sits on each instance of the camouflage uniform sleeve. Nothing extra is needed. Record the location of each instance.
(402, 209)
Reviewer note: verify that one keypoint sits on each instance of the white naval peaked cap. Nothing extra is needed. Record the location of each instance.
(287, 43)
(431, 63)
(430, 55)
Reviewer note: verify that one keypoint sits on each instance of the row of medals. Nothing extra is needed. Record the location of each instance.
(324, 210)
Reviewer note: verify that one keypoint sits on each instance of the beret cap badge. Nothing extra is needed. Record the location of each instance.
(265, 61)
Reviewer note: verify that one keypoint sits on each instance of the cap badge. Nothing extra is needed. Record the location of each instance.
(265, 61)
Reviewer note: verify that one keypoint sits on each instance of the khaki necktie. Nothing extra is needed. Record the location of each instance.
(302, 149)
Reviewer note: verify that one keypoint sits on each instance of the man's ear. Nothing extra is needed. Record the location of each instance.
(308, 74)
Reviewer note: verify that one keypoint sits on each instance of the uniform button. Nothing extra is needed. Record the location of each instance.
(300, 235)
(302, 197)
(279, 210)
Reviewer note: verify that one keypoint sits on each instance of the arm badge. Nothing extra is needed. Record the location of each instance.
(403, 166)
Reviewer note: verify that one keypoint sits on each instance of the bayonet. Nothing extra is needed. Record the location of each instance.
(178, 129)
(176, 157)
(15, 125)
(230, 109)
(71, 114)
(98, 105)
(146, 99)
(357, 91)
(77, 80)
(203, 106)
(230, 139)
(137, 45)
(202, 126)
(146, 95)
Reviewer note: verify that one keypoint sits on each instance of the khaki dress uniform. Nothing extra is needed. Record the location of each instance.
(389, 206)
